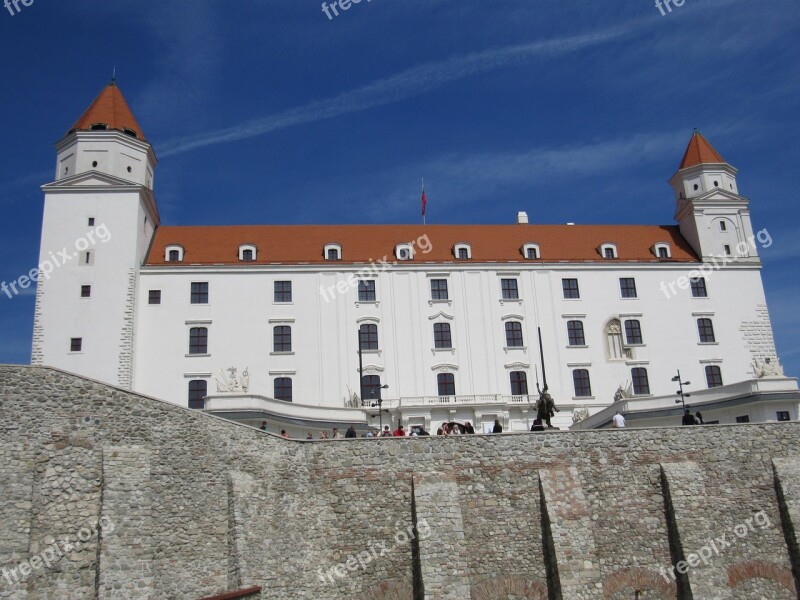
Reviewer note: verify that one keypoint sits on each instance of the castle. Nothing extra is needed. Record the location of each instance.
(315, 326)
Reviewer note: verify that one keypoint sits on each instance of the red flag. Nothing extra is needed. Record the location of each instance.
(424, 202)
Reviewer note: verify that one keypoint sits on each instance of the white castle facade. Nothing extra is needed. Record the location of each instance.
(266, 322)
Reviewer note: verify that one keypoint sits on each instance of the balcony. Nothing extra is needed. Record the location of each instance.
(474, 400)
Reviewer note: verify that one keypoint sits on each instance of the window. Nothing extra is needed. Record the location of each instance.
(173, 253)
(627, 287)
(723, 226)
(608, 251)
(641, 384)
(743, 419)
(727, 249)
(462, 251)
(333, 252)
(616, 349)
(98, 127)
(583, 387)
(713, 376)
(86, 291)
(706, 330)
(575, 333)
(247, 253)
(404, 252)
(199, 293)
(662, 250)
(633, 332)
(519, 383)
(699, 287)
(366, 290)
(441, 335)
(446, 383)
(86, 258)
(91, 221)
(154, 297)
(514, 334)
(368, 337)
(75, 344)
(439, 289)
(783, 415)
(283, 389)
(531, 251)
(510, 291)
(282, 291)
(570, 287)
(198, 340)
(198, 389)
(282, 338)
(371, 387)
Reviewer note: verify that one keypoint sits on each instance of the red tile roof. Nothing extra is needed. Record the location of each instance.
(109, 108)
(699, 151)
(293, 244)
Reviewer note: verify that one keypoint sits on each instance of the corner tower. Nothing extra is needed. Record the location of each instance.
(100, 214)
(713, 217)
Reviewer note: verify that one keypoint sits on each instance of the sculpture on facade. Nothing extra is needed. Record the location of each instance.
(232, 382)
(579, 414)
(623, 393)
(767, 368)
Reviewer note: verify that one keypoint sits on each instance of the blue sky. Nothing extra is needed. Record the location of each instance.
(268, 112)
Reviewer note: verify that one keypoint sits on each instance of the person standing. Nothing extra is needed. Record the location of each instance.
(400, 432)
(336, 435)
(619, 420)
(699, 418)
(468, 428)
(263, 426)
(497, 427)
(386, 432)
(351, 432)
(688, 419)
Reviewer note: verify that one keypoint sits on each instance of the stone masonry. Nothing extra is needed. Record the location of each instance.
(112, 495)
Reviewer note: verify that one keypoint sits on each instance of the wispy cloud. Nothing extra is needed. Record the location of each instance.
(404, 85)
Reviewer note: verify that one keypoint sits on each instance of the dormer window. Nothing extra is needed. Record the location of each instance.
(99, 127)
(130, 132)
(608, 251)
(333, 252)
(173, 253)
(247, 252)
(404, 252)
(531, 251)
(662, 250)
(462, 251)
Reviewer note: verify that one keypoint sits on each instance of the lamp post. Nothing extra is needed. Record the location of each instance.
(680, 392)
(380, 407)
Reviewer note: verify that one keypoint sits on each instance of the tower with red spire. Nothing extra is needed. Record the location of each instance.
(100, 215)
(713, 217)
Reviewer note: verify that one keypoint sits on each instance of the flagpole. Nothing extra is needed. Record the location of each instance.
(424, 216)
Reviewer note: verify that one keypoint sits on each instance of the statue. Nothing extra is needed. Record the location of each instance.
(767, 368)
(579, 414)
(231, 383)
(545, 406)
(623, 393)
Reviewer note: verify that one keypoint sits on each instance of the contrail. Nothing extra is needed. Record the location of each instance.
(405, 84)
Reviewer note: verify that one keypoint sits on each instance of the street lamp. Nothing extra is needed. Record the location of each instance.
(680, 392)
(380, 405)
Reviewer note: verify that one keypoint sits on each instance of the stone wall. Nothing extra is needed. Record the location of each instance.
(109, 494)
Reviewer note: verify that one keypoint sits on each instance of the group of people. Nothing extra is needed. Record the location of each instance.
(689, 419)
(416, 430)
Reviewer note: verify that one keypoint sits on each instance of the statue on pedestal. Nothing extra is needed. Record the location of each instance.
(545, 406)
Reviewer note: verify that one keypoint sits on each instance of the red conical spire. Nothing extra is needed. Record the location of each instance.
(699, 151)
(110, 109)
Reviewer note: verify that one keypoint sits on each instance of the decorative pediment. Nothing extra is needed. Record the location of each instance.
(372, 370)
(441, 315)
(517, 366)
(514, 317)
(444, 368)
(90, 179)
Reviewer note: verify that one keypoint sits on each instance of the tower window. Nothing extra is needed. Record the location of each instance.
(727, 249)
(509, 289)
(283, 389)
(199, 293)
(198, 389)
(99, 127)
(154, 297)
(627, 287)
(368, 337)
(198, 340)
(91, 221)
(446, 382)
(706, 330)
(713, 376)
(723, 226)
(129, 132)
(519, 383)
(75, 344)
(439, 289)
(570, 287)
(633, 332)
(641, 383)
(366, 290)
(86, 291)
(514, 334)
(441, 336)
(699, 287)
(282, 338)
(283, 291)
(575, 333)
(94, 163)
(583, 385)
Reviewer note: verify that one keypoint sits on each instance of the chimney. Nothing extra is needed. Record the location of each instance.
(522, 218)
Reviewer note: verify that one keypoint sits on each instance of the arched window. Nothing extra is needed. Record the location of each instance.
(713, 376)
(247, 252)
(705, 327)
(583, 386)
(531, 251)
(462, 251)
(575, 333)
(173, 253)
(633, 332)
(641, 384)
